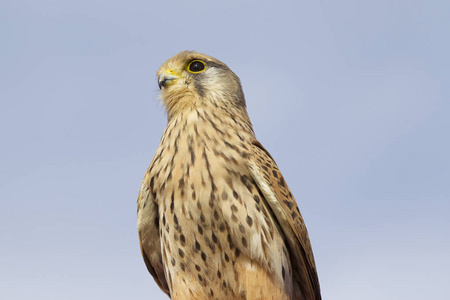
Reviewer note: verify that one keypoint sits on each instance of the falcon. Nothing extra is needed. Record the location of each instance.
(216, 219)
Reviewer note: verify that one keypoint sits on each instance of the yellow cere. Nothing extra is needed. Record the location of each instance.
(171, 72)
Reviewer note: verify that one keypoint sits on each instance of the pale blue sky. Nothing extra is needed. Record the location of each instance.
(352, 98)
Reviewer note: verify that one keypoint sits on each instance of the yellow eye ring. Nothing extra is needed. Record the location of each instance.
(196, 66)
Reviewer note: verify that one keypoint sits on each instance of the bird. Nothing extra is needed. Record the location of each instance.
(216, 218)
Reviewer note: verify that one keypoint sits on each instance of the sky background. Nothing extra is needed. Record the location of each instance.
(352, 98)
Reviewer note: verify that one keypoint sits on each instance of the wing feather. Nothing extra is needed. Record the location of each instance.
(281, 201)
(148, 229)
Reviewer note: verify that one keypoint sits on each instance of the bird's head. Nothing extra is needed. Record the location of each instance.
(191, 79)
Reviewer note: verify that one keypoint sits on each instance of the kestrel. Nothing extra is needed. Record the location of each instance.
(216, 219)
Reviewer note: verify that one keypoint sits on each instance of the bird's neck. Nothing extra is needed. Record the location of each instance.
(231, 120)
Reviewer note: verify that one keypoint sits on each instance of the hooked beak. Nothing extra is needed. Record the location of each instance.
(166, 78)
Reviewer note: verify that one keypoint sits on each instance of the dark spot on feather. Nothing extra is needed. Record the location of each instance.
(197, 246)
(249, 221)
(288, 203)
(224, 195)
(237, 253)
(172, 203)
(230, 242)
(202, 218)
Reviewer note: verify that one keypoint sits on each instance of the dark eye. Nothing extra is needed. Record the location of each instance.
(196, 66)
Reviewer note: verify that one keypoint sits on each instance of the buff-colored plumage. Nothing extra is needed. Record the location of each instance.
(216, 219)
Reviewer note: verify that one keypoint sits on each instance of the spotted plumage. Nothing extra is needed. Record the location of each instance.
(216, 219)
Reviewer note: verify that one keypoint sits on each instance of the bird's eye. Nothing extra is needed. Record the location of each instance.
(196, 66)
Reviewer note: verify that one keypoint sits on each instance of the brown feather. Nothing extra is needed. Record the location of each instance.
(304, 268)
